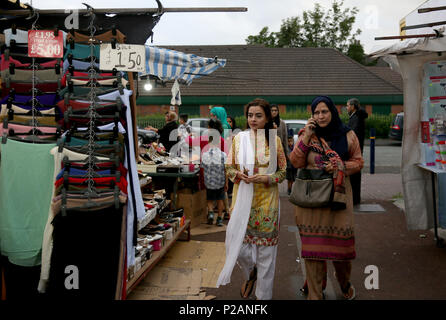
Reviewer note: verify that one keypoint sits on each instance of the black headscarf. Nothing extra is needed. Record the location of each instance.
(336, 131)
(276, 120)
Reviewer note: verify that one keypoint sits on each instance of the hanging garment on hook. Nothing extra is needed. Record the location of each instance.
(108, 80)
(82, 51)
(73, 237)
(81, 184)
(25, 88)
(24, 109)
(105, 37)
(26, 75)
(4, 64)
(21, 36)
(78, 65)
(73, 201)
(135, 205)
(78, 172)
(20, 130)
(84, 91)
(50, 99)
(26, 169)
(27, 119)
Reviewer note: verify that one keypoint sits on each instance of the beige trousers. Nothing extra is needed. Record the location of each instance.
(316, 272)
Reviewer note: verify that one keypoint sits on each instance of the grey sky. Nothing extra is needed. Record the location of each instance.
(375, 18)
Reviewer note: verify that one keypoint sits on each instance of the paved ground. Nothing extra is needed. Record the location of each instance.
(410, 266)
(387, 157)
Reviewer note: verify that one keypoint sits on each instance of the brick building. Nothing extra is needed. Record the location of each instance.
(288, 77)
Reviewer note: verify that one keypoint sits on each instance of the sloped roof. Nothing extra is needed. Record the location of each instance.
(258, 70)
(389, 75)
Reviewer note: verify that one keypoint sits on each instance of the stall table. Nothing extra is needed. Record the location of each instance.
(434, 172)
(156, 257)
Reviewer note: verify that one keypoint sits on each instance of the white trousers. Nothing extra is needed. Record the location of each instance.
(264, 258)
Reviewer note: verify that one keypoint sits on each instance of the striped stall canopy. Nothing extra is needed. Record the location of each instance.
(169, 64)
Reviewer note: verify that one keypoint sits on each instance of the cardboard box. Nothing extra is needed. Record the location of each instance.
(194, 205)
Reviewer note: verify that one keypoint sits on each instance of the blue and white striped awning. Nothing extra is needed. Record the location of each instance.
(169, 64)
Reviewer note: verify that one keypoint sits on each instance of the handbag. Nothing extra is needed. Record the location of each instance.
(312, 188)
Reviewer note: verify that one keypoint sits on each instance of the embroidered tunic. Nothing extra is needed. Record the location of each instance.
(327, 234)
(263, 225)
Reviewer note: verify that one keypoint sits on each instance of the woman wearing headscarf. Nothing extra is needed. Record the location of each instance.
(328, 233)
(256, 164)
(220, 114)
(280, 125)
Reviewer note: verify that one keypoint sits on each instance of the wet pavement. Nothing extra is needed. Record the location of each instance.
(408, 265)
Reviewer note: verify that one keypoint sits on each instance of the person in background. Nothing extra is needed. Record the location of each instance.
(203, 140)
(232, 124)
(220, 114)
(215, 180)
(235, 131)
(280, 125)
(290, 170)
(165, 132)
(252, 234)
(356, 122)
(184, 130)
(327, 233)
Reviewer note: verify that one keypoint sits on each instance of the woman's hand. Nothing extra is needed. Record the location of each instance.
(242, 177)
(329, 167)
(309, 127)
(259, 178)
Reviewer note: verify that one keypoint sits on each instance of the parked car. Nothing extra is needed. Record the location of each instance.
(295, 126)
(147, 136)
(198, 125)
(396, 129)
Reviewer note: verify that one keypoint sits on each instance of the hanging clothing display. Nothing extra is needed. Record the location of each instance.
(26, 186)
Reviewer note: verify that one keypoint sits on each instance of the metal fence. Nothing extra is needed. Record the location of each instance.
(156, 123)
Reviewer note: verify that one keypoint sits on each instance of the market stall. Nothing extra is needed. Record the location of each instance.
(422, 64)
(75, 114)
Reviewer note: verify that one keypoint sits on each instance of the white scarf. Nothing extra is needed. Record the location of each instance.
(236, 230)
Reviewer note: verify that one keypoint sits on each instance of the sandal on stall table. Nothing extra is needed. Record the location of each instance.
(247, 287)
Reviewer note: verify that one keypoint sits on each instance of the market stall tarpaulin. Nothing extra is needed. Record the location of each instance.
(409, 58)
(169, 64)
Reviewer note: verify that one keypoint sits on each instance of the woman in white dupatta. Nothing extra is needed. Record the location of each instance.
(256, 164)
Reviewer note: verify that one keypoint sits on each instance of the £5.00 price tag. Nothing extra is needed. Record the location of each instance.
(125, 57)
(44, 44)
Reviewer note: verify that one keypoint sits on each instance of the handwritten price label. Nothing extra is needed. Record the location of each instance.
(44, 44)
(126, 57)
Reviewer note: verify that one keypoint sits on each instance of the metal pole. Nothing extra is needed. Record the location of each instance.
(131, 10)
(372, 150)
(427, 35)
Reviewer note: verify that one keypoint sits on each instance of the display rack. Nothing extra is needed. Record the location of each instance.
(156, 257)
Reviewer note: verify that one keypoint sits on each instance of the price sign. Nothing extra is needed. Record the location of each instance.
(125, 57)
(44, 44)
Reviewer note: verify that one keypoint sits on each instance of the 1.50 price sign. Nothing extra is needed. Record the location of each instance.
(126, 57)
(44, 44)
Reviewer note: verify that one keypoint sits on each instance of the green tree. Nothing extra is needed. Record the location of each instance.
(317, 28)
(356, 52)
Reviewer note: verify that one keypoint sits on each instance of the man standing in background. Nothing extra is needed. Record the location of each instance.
(357, 123)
